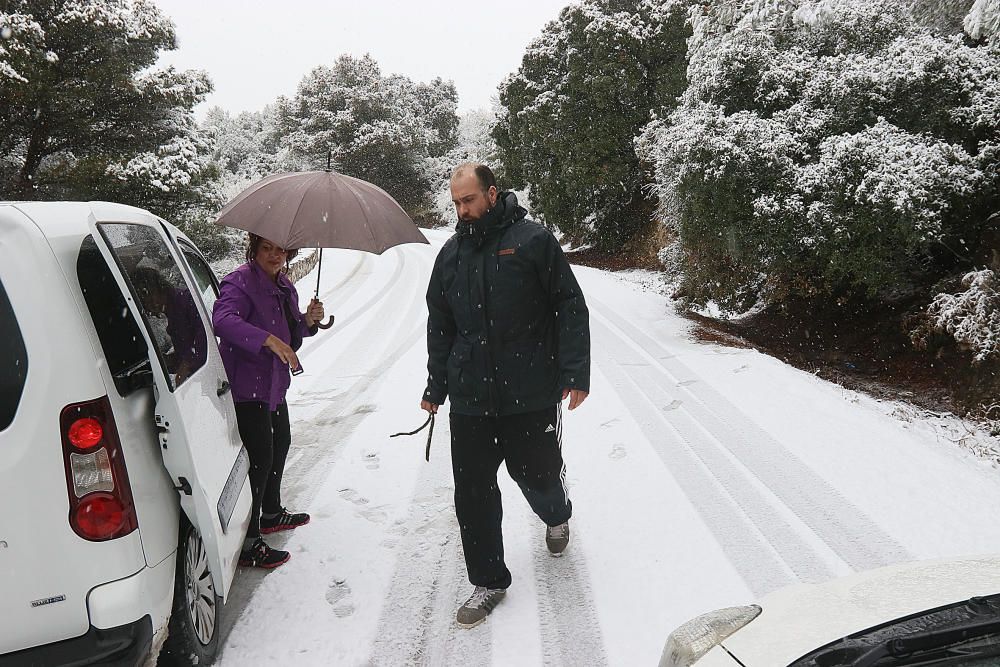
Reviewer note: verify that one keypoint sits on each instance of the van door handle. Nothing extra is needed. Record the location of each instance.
(223, 388)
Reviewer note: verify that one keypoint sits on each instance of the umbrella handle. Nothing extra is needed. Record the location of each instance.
(327, 324)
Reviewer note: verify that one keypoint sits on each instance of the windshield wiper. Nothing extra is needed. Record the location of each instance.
(930, 640)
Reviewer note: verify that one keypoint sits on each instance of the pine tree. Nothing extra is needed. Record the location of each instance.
(378, 128)
(83, 115)
(571, 112)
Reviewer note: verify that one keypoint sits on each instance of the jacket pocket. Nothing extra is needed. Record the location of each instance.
(458, 362)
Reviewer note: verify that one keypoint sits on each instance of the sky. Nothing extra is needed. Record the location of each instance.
(701, 477)
(256, 50)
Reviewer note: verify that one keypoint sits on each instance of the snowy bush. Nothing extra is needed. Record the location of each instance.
(826, 148)
(971, 317)
(878, 200)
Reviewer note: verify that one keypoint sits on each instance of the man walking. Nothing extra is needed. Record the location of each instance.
(508, 339)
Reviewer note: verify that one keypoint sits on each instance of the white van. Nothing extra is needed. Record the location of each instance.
(123, 479)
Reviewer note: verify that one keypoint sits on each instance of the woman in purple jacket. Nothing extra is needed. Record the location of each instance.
(258, 320)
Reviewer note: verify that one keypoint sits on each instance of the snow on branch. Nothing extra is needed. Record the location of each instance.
(971, 317)
(171, 166)
(20, 34)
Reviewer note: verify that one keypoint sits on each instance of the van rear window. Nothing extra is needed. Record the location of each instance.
(13, 361)
(122, 342)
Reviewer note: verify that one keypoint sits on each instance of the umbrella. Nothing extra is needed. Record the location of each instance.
(321, 209)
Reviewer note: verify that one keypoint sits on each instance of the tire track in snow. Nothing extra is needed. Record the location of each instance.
(351, 276)
(348, 287)
(849, 532)
(302, 483)
(570, 629)
(417, 624)
(337, 418)
(750, 552)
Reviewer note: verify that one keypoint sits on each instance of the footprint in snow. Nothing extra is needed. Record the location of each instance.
(686, 383)
(374, 514)
(618, 452)
(742, 368)
(673, 405)
(338, 594)
(353, 496)
(372, 461)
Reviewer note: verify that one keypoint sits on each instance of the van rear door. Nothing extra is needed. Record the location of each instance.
(195, 416)
(47, 362)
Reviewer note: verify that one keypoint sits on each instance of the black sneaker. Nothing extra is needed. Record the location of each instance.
(261, 555)
(283, 521)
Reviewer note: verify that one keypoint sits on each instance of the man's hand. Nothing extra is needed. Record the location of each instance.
(314, 313)
(429, 407)
(576, 397)
(282, 350)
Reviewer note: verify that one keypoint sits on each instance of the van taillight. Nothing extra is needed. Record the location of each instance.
(100, 498)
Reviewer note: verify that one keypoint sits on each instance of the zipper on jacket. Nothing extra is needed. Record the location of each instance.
(490, 366)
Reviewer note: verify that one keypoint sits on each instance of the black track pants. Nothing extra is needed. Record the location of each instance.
(266, 436)
(531, 445)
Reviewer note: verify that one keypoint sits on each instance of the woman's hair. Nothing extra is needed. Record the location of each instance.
(254, 244)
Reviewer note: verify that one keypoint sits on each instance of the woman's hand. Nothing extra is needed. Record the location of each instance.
(282, 350)
(314, 313)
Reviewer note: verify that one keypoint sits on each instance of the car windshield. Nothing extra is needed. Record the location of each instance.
(967, 633)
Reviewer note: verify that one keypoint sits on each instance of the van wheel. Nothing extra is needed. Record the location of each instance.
(193, 636)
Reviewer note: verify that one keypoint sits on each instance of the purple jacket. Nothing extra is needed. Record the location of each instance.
(249, 308)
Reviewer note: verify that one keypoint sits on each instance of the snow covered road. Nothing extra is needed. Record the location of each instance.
(701, 477)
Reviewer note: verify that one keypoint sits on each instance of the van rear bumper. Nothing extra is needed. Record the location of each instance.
(125, 645)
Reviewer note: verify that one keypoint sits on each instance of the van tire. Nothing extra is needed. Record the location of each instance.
(191, 624)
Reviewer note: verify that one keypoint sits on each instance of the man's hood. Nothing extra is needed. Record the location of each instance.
(503, 214)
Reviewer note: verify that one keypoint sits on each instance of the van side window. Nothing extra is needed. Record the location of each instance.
(208, 284)
(13, 361)
(122, 342)
(167, 306)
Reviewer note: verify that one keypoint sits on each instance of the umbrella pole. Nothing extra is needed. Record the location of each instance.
(319, 272)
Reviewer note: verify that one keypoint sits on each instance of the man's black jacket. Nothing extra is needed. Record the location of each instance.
(508, 327)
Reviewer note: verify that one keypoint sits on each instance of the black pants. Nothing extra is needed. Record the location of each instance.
(266, 436)
(531, 444)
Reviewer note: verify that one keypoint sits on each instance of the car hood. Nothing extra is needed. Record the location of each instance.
(799, 619)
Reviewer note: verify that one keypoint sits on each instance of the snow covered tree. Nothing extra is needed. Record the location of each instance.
(379, 128)
(570, 114)
(971, 317)
(945, 17)
(250, 145)
(475, 144)
(837, 150)
(83, 114)
(983, 21)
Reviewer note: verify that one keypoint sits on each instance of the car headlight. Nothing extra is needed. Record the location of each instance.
(691, 641)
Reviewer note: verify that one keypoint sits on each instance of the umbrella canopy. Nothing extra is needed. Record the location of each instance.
(321, 209)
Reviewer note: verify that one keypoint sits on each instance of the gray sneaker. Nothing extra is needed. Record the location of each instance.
(557, 538)
(479, 605)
